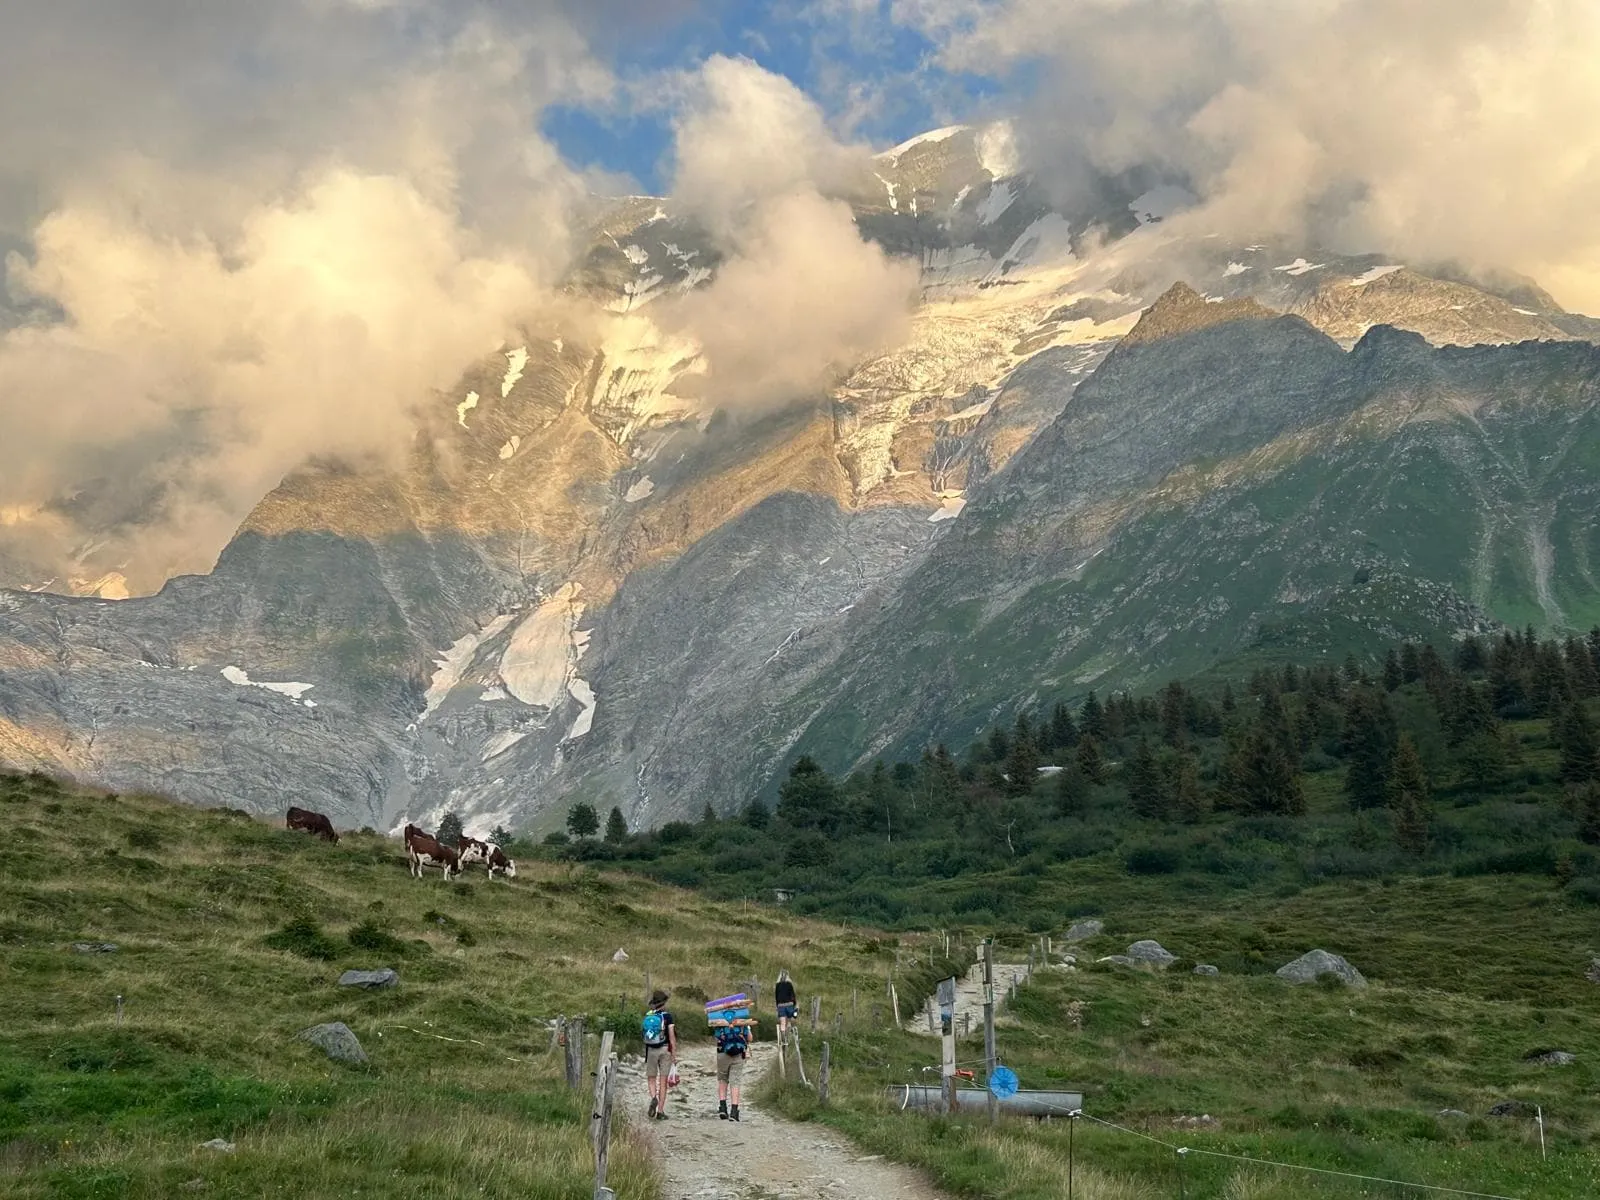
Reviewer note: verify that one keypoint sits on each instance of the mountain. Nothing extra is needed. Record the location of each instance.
(587, 582)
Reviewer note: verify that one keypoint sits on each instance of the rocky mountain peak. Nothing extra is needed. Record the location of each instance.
(1181, 309)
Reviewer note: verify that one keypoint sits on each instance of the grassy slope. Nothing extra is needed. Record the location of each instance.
(207, 1047)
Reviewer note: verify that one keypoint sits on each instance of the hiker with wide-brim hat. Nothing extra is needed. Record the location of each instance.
(660, 1052)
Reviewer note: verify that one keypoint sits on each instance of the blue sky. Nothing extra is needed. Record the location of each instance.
(875, 79)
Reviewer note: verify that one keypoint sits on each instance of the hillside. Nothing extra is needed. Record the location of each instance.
(230, 935)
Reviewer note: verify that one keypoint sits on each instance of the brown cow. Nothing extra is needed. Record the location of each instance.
(426, 851)
(473, 851)
(497, 861)
(312, 822)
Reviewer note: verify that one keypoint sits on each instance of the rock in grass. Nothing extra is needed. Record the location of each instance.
(220, 1145)
(1552, 1058)
(336, 1041)
(1206, 969)
(94, 947)
(1453, 1114)
(384, 977)
(1511, 1108)
(1308, 967)
(1151, 954)
(1593, 973)
(1080, 930)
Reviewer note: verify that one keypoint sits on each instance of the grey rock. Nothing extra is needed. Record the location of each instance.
(1453, 1114)
(1314, 963)
(1553, 1058)
(1593, 973)
(336, 1040)
(1122, 960)
(94, 947)
(384, 977)
(221, 1145)
(1152, 953)
(1206, 969)
(1082, 930)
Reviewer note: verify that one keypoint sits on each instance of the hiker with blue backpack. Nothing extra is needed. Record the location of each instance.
(733, 1043)
(660, 1053)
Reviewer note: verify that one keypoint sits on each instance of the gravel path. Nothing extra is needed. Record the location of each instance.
(969, 999)
(762, 1157)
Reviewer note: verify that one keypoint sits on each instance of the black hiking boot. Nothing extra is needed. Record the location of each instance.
(651, 1114)
(733, 1113)
(722, 1110)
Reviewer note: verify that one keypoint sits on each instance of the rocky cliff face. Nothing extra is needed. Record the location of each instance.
(584, 583)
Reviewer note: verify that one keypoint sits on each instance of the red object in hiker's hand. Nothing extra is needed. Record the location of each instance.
(672, 1076)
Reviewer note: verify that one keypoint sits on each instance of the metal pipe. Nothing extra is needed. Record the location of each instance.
(1024, 1103)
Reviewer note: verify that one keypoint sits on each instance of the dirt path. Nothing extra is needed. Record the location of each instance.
(969, 999)
(762, 1157)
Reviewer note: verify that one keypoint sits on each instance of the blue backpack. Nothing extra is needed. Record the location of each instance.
(731, 1039)
(654, 1027)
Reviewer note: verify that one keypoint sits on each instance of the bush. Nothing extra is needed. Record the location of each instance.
(1153, 860)
(303, 936)
(369, 935)
(142, 837)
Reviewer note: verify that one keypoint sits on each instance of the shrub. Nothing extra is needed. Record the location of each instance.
(142, 837)
(303, 936)
(1153, 860)
(369, 935)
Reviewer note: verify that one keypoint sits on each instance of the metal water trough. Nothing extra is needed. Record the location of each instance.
(1024, 1103)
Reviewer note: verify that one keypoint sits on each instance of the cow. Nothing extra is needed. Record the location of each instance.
(425, 851)
(473, 851)
(312, 822)
(497, 861)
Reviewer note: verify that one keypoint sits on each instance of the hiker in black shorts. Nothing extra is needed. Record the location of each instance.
(788, 1007)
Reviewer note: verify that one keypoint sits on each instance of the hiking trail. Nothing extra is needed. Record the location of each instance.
(969, 999)
(761, 1157)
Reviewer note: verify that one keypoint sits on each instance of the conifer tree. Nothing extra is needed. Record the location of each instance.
(1090, 760)
(1580, 754)
(1092, 718)
(582, 820)
(1265, 778)
(809, 799)
(1370, 733)
(1022, 763)
(1147, 790)
(616, 827)
(450, 831)
(1063, 729)
(1175, 704)
(1410, 663)
(1470, 654)
(1187, 798)
(1072, 791)
(757, 816)
(501, 835)
(1589, 813)
(1409, 801)
(1392, 677)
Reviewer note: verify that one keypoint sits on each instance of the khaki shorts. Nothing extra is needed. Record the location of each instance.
(657, 1061)
(729, 1068)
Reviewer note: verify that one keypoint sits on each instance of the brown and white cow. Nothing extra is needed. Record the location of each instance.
(473, 851)
(497, 861)
(424, 850)
(312, 822)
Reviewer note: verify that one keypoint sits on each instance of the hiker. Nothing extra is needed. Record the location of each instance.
(732, 1043)
(660, 1052)
(788, 1009)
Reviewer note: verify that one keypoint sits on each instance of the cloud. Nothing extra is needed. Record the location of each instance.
(253, 234)
(800, 295)
(1438, 129)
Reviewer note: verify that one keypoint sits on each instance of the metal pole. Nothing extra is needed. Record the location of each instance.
(119, 1011)
(1539, 1109)
(988, 1026)
(1182, 1150)
(1072, 1128)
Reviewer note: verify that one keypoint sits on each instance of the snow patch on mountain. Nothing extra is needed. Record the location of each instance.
(1299, 267)
(1234, 268)
(635, 254)
(466, 406)
(993, 206)
(540, 663)
(516, 360)
(894, 202)
(1376, 273)
(933, 135)
(510, 447)
(639, 490)
(453, 662)
(294, 691)
(949, 509)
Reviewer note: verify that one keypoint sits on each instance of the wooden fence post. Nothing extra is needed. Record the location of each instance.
(853, 1004)
(575, 1053)
(816, 1012)
(838, 1023)
(602, 1071)
(822, 1077)
(602, 1146)
(558, 1032)
(988, 1026)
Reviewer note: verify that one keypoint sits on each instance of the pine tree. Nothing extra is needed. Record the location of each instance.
(1090, 760)
(1266, 779)
(1063, 729)
(809, 799)
(1092, 718)
(757, 816)
(1175, 704)
(1409, 798)
(1589, 813)
(1410, 663)
(1187, 798)
(1470, 654)
(999, 745)
(1072, 791)
(582, 820)
(1370, 734)
(616, 827)
(501, 835)
(1580, 754)
(1229, 704)
(1022, 763)
(1585, 680)
(450, 831)
(1392, 676)
(1147, 790)
(1482, 760)
(1470, 711)
(1549, 688)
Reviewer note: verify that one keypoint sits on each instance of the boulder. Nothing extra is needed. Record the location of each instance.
(1206, 969)
(1309, 966)
(621, 956)
(1552, 1058)
(1593, 973)
(1080, 930)
(336, 1041)
(1151, 953)
(1511, 1108)
(94, 947)
(1454, 1114)
(383, 977)
(1122, 960)
(220, 1145)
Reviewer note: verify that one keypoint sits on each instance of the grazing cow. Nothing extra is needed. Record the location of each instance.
(312, 822)
(497, 861)
(425, 851)
(473, 851)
